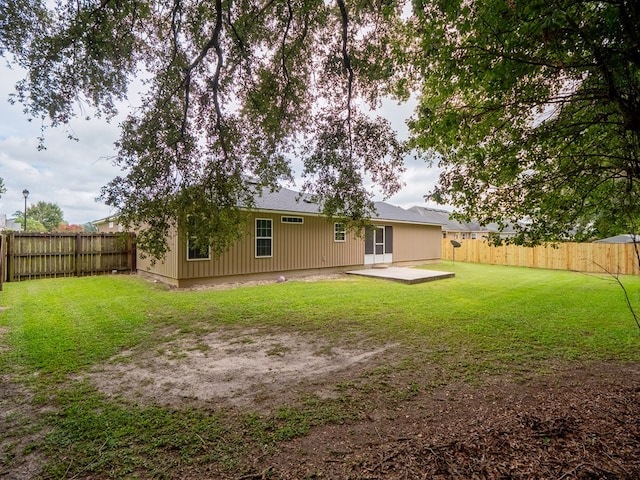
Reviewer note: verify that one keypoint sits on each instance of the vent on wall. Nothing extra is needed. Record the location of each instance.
(297, 220)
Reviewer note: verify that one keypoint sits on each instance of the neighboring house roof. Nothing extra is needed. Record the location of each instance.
(112, 218)
(626, 238)
(451, 224)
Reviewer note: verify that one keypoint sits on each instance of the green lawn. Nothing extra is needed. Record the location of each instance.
(486, 320)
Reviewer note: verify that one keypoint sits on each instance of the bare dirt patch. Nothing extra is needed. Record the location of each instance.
(247, 368)
(17, 412)
(582, 422)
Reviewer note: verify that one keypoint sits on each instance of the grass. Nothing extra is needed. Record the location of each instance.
(485, 320)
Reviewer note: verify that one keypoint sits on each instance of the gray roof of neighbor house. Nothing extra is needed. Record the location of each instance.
(451, 224)
(286, 200)
(626, 238)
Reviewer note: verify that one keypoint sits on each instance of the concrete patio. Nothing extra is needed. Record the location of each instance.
(406, 275)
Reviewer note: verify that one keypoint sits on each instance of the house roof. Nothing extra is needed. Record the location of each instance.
(626, 238)
(290, 201)
(286, 200)
(451, 224)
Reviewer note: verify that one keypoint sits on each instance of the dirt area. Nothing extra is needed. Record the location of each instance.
(581, 423)
(573, 421)
(577, 422)
(241, 368)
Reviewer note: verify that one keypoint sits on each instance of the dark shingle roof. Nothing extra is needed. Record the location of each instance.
(290, 201)
(451, 224)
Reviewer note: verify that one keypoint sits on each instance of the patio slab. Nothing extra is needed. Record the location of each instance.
(406, 275)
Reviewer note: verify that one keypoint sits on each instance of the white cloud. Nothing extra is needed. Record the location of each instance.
(68, 173)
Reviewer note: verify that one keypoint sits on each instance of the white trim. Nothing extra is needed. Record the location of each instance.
(292, 217)
(343, 231)
(208, 257)
(270, 220)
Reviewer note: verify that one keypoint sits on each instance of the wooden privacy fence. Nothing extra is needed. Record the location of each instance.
(580, 257)
(29, 256)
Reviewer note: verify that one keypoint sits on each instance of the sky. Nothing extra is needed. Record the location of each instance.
(71, 173)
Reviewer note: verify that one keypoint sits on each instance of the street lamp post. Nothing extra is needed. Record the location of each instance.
(25, 194)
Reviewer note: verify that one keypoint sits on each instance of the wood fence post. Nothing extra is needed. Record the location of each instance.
(78, 254)
(133, 254)
(10, 259)
(2, 260)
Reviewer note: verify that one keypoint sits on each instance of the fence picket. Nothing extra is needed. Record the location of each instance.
(580, 257)
(43, 255)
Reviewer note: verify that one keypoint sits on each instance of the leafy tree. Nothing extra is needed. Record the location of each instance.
(47, 214)
(3, 189)
(233, 91)
(64, 227)
(33, 225)
(532, 109)
(89, 227)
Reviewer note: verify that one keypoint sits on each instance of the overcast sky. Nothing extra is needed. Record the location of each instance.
(70, 173)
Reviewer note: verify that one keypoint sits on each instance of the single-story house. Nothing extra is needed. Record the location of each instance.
(453, 229)
(288, 236)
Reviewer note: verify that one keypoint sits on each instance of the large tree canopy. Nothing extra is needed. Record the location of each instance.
(533, 108)
(47, 215)
(232, 91)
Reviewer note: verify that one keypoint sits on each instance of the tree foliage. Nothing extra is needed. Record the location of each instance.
(33, 225)
(533, 110)
(3, 189)
(47, 216)
(233, 90)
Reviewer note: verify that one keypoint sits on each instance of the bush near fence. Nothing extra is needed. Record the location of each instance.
(580, 257)
(42, 255)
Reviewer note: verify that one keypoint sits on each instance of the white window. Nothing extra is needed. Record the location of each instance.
(264, 237)
(339, 232)
(297, 220)
(195, 252)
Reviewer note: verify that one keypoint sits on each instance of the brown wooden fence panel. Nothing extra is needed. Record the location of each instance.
(580, 257)
(42, 255)
(3, 263)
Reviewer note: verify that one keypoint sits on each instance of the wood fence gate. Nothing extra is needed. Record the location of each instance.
(27, 256)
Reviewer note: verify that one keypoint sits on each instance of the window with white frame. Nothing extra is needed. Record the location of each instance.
(339, 232)
(297, 220)
(195, 251)
(264, 237)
